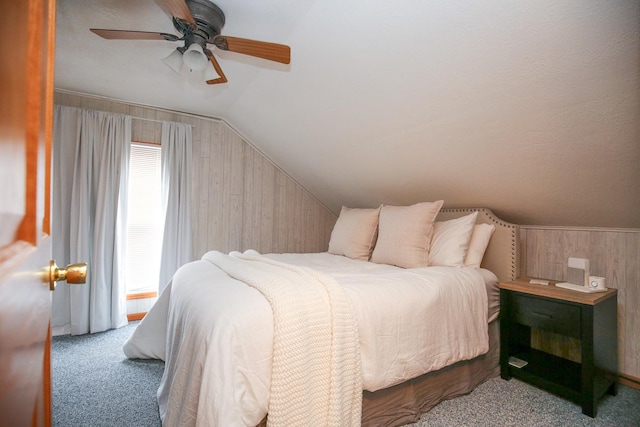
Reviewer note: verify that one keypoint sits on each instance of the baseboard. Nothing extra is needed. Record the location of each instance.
(629, 381)
(135, 316)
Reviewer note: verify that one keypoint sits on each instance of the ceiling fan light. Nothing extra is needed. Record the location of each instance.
(210, 74)
(194, 58)
(174, 61)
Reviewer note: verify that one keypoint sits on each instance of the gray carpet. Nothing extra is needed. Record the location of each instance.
(95, 385)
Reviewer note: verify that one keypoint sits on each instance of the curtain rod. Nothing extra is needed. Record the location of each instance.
(148, 120)
(159, 121)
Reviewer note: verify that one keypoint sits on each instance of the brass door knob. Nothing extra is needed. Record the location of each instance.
(74, 274)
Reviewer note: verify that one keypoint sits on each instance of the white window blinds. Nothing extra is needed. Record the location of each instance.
(145, 220)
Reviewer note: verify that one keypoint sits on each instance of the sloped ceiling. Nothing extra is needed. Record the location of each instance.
(531, 108)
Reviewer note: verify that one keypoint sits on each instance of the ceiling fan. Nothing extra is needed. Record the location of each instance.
(200, 23)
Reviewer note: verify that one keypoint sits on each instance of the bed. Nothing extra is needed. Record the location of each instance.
(387, 366)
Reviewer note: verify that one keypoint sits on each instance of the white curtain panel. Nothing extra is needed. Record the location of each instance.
(176, 199)
(90, 174)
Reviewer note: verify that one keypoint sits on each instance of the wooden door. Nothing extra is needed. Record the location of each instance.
(27, 29)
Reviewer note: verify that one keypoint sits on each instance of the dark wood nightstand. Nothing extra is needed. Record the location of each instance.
(589, 317)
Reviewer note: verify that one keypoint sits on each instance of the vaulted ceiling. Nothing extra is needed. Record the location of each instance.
(530, 108)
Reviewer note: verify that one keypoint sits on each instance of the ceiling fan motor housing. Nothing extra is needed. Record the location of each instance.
(209, 22)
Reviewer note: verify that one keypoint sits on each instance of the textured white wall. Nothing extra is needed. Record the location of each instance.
(530, 108)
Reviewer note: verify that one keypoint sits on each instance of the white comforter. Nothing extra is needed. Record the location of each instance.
(216, 334)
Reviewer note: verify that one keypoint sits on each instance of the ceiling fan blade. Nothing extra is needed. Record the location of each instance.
(133, 35)
(216, 66)
(265, 50)
(177, 9)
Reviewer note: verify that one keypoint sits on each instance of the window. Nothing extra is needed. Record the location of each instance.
(145, 220)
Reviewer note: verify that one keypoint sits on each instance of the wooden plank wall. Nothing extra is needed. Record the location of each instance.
(613, 254)
(240, 199)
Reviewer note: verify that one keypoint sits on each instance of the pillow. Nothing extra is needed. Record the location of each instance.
(404, 234)
(354, 233)
(450, 240)
(478, 244)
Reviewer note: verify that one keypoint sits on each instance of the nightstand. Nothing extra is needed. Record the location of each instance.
(590, 318)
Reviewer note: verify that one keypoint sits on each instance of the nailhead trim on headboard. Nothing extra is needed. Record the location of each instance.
(513, 228)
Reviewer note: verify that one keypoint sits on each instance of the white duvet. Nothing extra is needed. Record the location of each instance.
(216, 333)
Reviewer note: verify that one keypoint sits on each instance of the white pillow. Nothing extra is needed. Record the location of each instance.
(450, 240)
(404, 234)
(478, 244)
(354, 233)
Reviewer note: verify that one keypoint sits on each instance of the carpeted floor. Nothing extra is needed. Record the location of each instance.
(94, 385)
(514, 403)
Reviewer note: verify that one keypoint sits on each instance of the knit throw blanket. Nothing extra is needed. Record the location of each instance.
(316, 378)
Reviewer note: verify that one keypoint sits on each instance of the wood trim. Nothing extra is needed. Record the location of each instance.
(133, 141)
(35, 110)
(135, 316)
(629, 381)
(48, 124)
(48, 408)
(142, 295)
(568, 228)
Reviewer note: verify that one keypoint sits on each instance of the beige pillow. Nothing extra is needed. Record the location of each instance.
(478, 245)
(404, 234)
(354, 233)
(450, 240)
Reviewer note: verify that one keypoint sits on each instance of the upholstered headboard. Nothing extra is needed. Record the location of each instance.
(501, 256)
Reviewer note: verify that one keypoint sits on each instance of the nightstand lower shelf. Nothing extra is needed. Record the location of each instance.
(555, 374)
